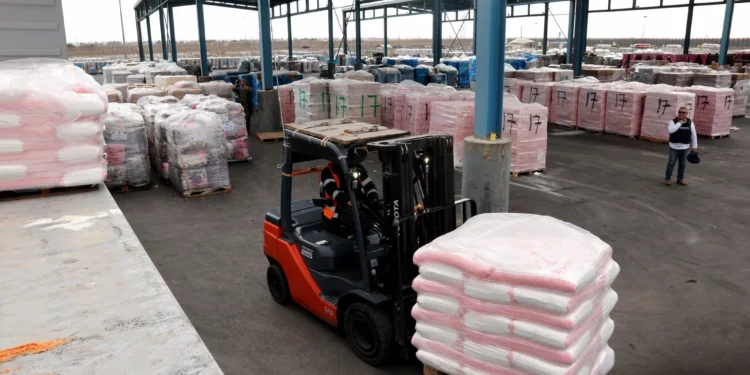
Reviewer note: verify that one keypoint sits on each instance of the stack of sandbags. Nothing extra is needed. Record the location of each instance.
(286, 101)
(311, 99)
(454, 118)
(218, 88)
(713, 79)
(624, 110)
(126, 148)
(181, 88)
(139, 92)
(388, 75)
(232, 117)
(51, 121)
(741, 91)
(592, 101)
(563, 109)
(356, 100)
(661, 105)
(536, 75)
(196, 152)
(419, 110)
(535, 92)
(513, 86)
(714, 108)
(394, 103)
(526, 126)
(678, 79)
(515, 294)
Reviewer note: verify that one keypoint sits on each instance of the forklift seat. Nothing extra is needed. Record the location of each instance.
(325, 251)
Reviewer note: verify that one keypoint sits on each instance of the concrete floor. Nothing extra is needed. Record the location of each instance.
(684, 303)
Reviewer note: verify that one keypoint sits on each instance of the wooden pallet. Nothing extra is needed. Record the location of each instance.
(240, 162)
(653, 140)
(270, 137)
(205, 192)
(50, 192)
(128, 188)
(714, 136)
(527, 173)
(431, 371)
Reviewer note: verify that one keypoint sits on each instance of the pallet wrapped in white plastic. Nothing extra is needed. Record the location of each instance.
(537, 75)
(624, 111)
(182, 88)
(563, 109)
(356, 100)
(232, 117)
(126, 148)
(393, 98)
(121, 87)
(741, 91)
(218, 88)
(536, 92)
(113, 95)
(311, 99)
(165, 81)
(513, 86)
(136, 79)
(139, 92)
(515, 294)
(592, 102)
(154, 116)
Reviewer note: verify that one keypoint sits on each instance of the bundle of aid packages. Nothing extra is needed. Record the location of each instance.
(311, 99)
(232, 117)
(126, 147)
(515, 294)
(356, 100)
(51, 122)
(714, 108)
(525, 124)
(286, 101)
(661, 105)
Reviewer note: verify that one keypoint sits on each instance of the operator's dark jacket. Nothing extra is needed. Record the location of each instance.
(336, 192)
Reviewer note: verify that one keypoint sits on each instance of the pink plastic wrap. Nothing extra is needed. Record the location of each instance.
(419, 110)
(512, 86)
(714, 108)
(660, 106)
(533, 92)
(624, 111)
(563, 109)
(537, 75)
(592, 101)
(455, 118)
(466, 96)
(51, 122)
(526, 126)
(286, 99)
(515, 294)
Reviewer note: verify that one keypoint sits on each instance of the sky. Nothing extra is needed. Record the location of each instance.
(99, 21)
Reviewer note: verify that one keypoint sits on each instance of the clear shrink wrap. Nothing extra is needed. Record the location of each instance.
(647, 73)
(113, 95)
(126, 148)
(196, 152)
(563, 75)
(406, 72)
(515, 294)
(356, 100)
(661, 105)
(121, 87)
(157, 137)
(678, 79)
(286, 101)
(537, 75)
(715, 79)
(146, 100)
(563, 108)
(451, 74)
(218, 88)
(419, 110)
(182, 88)
(454, 118)
(120, 76)
(464, 96)
(135, 79)
(136, 93)
(605, 74)
(388, 75)
(592, 102)
(169, 80)
(193, 100)
(312, 99)
(394, 105)
(624, 111)
(526, 126)
(741, 91)
(714, 108)
(513, 86)
(232, 117)
(51, 122)
(535, 92)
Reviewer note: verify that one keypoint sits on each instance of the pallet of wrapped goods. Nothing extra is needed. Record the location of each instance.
(438, 78)
(394, 103)
(360, 75)
(462, 68)
(741, 91)
(120, 76)
(197, 153)
(605, 74)
(526, 126)
(51, 122)
(536, 75)
(121, 87)
(151, 99)
(286, 101)
(136, 79)
(647, 73)
(513, 86)
(661, 105)
(126, 148)
(158, 144)
(624, 111)
(356, 100)
(563, 75)
(714, 79)
(451, 74)
(592, 102)
(454, 118)
(182, 88)
(311, 99)
(218, 88)
(113, 95)
(677, 79)
(536, 92)
(465, 96)
(192, 100)
(563, 109)
(232, 117)
(515, 294)
(137, 93)
(419, 110)
(388, 75)
(407, 72)
(422, 74)
(714, 108)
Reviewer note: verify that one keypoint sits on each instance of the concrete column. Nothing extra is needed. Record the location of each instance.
(202, 37)
(486, 165)
(268, 117)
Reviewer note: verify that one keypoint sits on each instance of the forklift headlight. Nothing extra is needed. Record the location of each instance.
(426, 160)
(355, 175)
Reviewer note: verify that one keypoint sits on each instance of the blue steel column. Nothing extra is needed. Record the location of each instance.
(202, 37)
(140, 37)
(474, 40)
(728, 13)
(331, 58)
(437, 33)
(358, 63)
(580, 38)
(148, 34)
(163, 34)
(385, 32)
(489, 91)
(571, 24)
(264, 23)
(289, 28)
(172, 39)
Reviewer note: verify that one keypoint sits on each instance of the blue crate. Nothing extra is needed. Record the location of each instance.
(407, 72)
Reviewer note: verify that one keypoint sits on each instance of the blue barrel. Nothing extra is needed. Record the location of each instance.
(473, 69)
(422, 75)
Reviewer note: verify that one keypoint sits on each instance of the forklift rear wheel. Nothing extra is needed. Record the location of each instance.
(370, 332)
(277, 284)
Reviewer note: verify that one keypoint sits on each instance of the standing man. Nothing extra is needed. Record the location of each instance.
(681, 137)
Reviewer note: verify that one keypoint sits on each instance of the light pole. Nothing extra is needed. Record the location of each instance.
(643, 34)
(122, 26)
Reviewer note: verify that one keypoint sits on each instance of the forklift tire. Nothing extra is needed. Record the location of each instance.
(278, 285)
(370, 332)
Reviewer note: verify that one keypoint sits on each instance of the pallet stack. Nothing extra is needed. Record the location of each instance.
(660, 106)
(534, 92)
(526, 126)
(563, 109)
(356, 100)
(624, 113)
(311, 99)
(513, 86)
(286, 101)
(454, 118)
(592, 100)
(126, 148)
(419, 110)
(714, 108)
(232, 118)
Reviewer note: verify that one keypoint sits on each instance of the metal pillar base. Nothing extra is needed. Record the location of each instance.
(268, 117)
(486, 173)
(331, 69)
(358, 66)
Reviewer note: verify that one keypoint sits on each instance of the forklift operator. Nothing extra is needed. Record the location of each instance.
(337, 214)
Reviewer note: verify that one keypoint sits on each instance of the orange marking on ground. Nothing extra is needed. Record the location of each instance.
(30, 348)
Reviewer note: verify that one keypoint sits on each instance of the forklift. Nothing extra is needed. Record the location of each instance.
(362, 284)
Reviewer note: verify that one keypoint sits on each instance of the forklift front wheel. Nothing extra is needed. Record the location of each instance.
(277, 284)
(370, 332)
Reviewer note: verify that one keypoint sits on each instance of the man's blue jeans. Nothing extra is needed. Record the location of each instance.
(674, 157)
